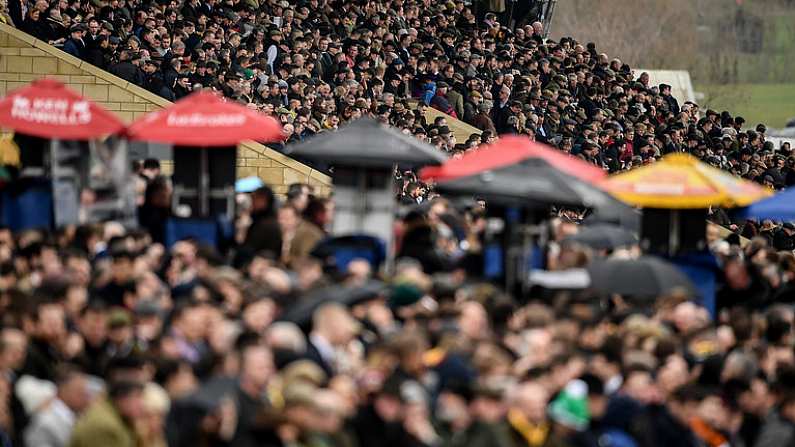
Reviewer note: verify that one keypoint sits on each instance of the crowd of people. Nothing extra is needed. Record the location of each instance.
(318, 64)
(110, 338)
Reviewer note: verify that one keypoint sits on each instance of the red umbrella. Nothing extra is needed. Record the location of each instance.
(205, 119)
(506, 151)
(47, 109)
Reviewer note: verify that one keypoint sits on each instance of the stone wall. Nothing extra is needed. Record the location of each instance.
(24, 58)
(459, 128)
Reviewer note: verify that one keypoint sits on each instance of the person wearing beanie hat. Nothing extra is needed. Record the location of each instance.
(570, 408)
(34, 393)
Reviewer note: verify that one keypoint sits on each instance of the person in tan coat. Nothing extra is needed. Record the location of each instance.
(109, 420)
(319, 213)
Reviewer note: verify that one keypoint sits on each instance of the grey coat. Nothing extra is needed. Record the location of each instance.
(51, 427)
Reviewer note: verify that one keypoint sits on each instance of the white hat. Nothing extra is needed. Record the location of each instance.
(34, 393)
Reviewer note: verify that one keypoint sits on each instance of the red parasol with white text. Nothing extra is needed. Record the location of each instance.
(47, 108)
(204, 119)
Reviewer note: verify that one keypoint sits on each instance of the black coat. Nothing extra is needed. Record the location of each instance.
(313, 354)
(371, 430)
(673, 104)
(264, 234)
(660, 429)
(15, 11)
(37, 28)
(41, 360)
(75, 47)
(418, 243)
(500, 119)
(129, 72)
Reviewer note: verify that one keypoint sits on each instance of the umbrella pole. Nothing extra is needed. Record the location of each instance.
(361, 179)
(673, 233)
(389, 262)
(204, 182)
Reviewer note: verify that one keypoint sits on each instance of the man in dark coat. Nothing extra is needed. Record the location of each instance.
(75, 45)
(381, 422)
(49, 328)
(264, 234)
(779, 426)
(128, 68)
(501, 110)
(673, 104)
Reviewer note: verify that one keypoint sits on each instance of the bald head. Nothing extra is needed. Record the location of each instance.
(285, 335)
(334, 322)
(531, 399)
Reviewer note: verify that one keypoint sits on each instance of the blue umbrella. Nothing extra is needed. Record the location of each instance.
(248, 184)
(778, 207)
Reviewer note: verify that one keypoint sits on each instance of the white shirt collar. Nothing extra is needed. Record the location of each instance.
(323, 346)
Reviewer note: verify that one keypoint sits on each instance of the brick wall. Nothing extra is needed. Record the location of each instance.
(23, 59)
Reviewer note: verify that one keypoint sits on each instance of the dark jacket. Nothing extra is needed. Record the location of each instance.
(15, 11)
(264, 234)
(483, 434)
(371, 430)
(129, 72)
(313, 354)
(41, 360)
(483, 122)
(777, 432)
(75, 47)
(500, 117)
(36, 28)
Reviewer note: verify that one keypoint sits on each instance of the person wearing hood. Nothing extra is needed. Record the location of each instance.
(264, 234)
(428, 91)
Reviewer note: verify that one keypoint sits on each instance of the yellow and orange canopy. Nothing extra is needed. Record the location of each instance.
(681, 181)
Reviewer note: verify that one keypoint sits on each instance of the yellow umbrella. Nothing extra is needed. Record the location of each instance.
(681, 181)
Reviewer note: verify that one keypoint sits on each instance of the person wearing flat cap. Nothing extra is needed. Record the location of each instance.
(274, 51)
(454, 96)
(128, 68)
(75, 44)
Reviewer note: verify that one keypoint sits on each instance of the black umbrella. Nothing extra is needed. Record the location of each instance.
(301, 312)
(604, 236)
(533, 182)
(645, 277)
(368, 143)
(210, 394)
(613, 211)
(186, 414)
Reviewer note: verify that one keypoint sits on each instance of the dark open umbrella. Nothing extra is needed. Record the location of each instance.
(368, 143)
(618, 213)
(301, 312)
(645, 277)
(604, 236)
(528, 183)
